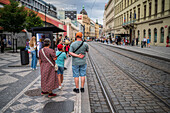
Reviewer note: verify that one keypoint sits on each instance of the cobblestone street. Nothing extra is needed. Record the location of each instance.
(127, 95)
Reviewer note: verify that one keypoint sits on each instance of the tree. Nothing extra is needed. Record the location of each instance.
(13, 17)
(32, 20)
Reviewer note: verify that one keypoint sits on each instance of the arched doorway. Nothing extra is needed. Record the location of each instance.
(162, 35)
(155, 35)
(144, 33)
(149, 34)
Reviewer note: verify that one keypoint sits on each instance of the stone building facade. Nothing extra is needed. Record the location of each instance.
(139, 18)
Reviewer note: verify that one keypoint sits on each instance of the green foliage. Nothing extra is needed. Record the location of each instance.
(13, 17)
(32, 20)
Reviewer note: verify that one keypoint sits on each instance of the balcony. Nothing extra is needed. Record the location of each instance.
(129, 24)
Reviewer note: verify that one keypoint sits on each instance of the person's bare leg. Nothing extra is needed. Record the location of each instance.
(76, 80)
(59, 79)
(82, 81)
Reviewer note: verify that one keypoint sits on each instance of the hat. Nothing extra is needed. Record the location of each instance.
(47, 41)
(79, 34)
(60, 46)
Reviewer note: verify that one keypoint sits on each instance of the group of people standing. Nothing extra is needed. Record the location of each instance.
(48, 58)
(146, 42)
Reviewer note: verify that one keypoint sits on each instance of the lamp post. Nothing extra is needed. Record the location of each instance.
(46, 13)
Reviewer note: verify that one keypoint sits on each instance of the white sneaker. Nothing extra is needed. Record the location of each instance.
(59, 87)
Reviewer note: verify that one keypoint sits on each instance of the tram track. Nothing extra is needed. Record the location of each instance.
(131, 76)
(146, 63)
(105, 91)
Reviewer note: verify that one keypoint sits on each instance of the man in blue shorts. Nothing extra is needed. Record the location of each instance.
(79, 61)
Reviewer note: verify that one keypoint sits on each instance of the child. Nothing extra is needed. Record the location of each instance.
(67, 49)
(61, 56)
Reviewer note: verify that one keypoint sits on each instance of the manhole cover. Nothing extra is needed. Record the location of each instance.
(34, 92)
(59, 107)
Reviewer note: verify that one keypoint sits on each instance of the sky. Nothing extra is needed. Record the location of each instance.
(94, 8)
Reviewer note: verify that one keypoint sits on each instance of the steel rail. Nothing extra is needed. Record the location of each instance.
(105, 92)
(137, 81)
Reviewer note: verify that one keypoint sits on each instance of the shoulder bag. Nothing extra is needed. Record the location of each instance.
(56, 66)
(78, 47)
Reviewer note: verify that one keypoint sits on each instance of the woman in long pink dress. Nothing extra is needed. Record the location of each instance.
(49, 79)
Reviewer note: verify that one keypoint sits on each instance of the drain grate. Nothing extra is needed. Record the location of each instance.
(59, 107)
(34, 92)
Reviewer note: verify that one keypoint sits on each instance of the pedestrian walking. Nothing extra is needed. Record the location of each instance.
(33, 46)
(2, 45)
(49, 79)
(110, 39)
(137, 40)
(61, 56)
(144, 41)
(133, 41)
(78, 51)
(167, 41)
(67, 48)
(148, 42)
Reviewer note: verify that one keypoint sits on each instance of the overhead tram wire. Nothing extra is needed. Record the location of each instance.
(92, 6)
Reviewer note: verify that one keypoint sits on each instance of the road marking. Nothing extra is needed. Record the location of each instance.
(19, 95)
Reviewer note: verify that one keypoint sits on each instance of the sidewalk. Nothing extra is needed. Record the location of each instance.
(29, 100)
(162, 53)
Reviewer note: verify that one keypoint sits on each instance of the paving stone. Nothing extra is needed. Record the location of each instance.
(121, 111)
(18, 107)
(24, 100)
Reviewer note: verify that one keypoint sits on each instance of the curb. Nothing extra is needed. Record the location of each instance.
(85, 108)
(145, 54)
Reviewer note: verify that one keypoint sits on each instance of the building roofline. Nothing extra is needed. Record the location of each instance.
(108, 4)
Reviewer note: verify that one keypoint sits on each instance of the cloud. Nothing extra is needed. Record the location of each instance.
(94, 11)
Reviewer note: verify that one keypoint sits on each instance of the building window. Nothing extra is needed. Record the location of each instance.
(144, 33)
(125, 3)
(122, 5)
(134, 14)
(144, 11)
(155, 35)
(130, 16)
(162, 35)
(156, 6)
(127, 16)
(149, 34)
(138, 13)
(163, 5)
(124, 18)
(150, 9)
(128, 3)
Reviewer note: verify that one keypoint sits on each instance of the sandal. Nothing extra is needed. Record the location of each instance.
(44, 93)
(50, 95)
